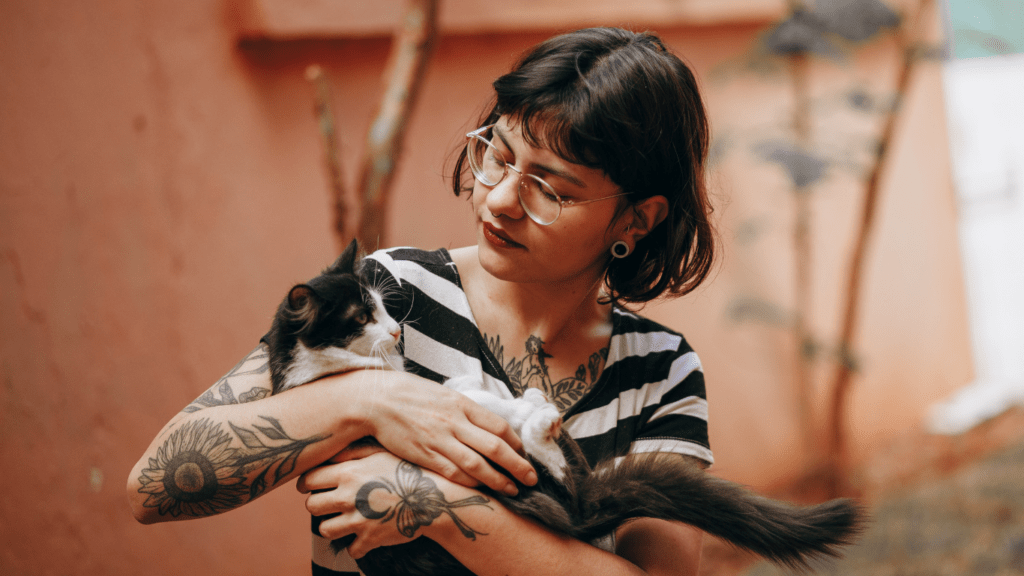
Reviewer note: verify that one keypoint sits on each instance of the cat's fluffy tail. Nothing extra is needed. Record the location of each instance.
(671, 488)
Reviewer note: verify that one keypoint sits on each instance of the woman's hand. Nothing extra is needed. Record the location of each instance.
(382, 500)
(442, 430)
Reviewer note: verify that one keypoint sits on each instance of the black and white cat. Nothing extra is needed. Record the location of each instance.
(333, 323)
(337, 322)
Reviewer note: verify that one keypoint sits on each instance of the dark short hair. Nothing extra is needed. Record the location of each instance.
(620, 102)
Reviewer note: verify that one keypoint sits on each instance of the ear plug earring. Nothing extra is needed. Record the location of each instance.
(620, 249)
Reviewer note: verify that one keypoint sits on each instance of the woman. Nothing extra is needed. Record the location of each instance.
(586, 179)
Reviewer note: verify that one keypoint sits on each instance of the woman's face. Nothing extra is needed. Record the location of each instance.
(513, 247)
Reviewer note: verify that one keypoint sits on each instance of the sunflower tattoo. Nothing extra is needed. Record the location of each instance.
(194, 473)
(198, 473)
(420, 502)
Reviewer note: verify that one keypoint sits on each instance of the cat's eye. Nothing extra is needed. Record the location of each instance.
(362, 318)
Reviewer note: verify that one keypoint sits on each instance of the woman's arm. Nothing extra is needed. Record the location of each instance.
(385, 502)
(644, 546)
(661, 548)
(236, 441)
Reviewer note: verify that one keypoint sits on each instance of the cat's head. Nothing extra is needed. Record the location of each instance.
(339, 309)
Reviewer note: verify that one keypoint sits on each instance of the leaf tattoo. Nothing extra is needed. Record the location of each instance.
(532, 372)
(198, 473)
(255, 363)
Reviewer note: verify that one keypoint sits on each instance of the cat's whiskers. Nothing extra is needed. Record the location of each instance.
(412, 300)
(387, 287)
(390, 362)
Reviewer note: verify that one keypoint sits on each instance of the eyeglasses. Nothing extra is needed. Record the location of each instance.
(538, 199)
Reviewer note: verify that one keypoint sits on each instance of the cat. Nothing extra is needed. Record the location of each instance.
(333, 323)
(337, 322)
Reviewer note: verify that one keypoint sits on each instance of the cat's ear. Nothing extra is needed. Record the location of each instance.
(345, 264)
(303, 304)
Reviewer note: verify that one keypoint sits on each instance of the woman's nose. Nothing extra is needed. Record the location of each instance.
(503, 197)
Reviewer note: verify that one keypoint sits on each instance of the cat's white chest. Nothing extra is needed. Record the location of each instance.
(308, 365)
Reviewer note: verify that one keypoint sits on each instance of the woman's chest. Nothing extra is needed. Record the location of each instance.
(564, 373)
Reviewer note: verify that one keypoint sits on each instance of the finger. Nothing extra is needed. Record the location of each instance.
(355, 549)
(473, 464)
(359, 547)
(338, 526)
(319, 478)
(330, 502)
(439, 463)
(499, 452)
(494, 424)
(356, 452)
(302, 485)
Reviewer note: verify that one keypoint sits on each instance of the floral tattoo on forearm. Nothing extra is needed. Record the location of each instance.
(257, 362)
(197, 472)
(420, 502)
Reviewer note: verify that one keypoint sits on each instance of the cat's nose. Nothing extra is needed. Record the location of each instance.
(396, 334)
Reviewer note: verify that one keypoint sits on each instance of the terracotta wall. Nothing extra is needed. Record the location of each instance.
(161, 186)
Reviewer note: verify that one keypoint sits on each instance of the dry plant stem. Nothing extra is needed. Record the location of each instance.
(799, 65)
(908, 38)
(332, 157)
(411, 49)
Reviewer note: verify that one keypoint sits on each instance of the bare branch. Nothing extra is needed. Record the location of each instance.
(410, 53)
(332, 157)
(911, 37)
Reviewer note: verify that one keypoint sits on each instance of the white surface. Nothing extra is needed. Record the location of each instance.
(984, 99)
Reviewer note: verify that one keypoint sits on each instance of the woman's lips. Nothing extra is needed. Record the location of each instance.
(498, 237)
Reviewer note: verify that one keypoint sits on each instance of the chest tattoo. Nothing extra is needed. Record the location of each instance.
(531, 371)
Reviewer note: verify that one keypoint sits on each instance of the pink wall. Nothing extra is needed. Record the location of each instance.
(161, 187)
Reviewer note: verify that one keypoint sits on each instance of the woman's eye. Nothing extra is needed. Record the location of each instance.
(496, 158)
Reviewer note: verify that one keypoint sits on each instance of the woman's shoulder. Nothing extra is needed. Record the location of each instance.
(642, 334)
(406, 263)
(439, 257)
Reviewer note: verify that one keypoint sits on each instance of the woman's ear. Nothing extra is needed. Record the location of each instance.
(643, 217)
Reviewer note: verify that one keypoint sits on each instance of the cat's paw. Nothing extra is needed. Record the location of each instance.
(539, 434)
(545, 413)
(544, 424)
(535, 397)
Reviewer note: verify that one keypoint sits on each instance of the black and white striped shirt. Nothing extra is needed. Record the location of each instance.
(649, 398)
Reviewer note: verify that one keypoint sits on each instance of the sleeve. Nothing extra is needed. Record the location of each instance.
(679, 421)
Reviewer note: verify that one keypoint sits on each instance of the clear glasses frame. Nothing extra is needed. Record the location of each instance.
(539, 199)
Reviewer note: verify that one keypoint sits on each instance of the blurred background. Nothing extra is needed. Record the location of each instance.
(169, 169)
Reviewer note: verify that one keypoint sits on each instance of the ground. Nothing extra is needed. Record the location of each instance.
(970, 523)
(939, 506)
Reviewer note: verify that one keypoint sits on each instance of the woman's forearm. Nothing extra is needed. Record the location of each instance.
(385, 501)
(503, 536)
(645, 547)
(497, 537)
(236, 441)
(218, 455)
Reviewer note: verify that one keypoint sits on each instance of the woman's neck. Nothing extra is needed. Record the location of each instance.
(551, 311)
